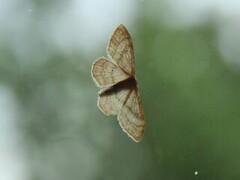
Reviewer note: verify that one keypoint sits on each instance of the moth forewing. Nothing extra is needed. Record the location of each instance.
(131, 117)
(120, 50)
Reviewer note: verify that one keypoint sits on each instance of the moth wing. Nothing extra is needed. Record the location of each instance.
(131, 116)
(111, 101)
(105, 73)
(120, 50)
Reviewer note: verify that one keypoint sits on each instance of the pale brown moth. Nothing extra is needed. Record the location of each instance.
(115, 76)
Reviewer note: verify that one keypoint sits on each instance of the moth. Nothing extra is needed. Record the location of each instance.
(115, 76)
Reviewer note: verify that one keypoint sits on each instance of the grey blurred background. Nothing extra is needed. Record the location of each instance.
(188, 67)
